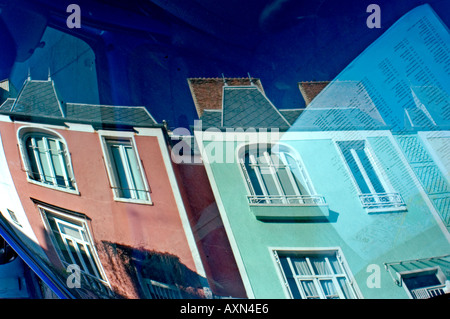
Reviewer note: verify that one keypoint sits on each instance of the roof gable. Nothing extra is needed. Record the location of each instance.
(38, 98)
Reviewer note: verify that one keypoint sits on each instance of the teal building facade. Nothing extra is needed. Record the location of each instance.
(319, 202)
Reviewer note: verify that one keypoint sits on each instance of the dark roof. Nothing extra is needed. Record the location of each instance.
(291, 115)
(107, 114)
(207, 92)
(39, 100)
(212, 118)
(247, 106)
(7, 105)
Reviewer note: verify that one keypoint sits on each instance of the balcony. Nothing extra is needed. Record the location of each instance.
(428, 292)
(288, 207)
(382, 202)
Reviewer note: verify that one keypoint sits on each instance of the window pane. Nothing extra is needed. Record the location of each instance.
(348, 156)
(74, 253)
(59, 240)
(34, 174)
(118, 164)
(42, 156)
(320, 266)
(310, 289)
(299, 179)
(86, 259)
(90, 253)
(58, 161)
(301, 266)
(286, 182)
(70, 231)
(335, 265)
(267, 175)
(329, 289)
(364, 188)
(251, 170)
(370, 171)
(136, 173)
(343, 283)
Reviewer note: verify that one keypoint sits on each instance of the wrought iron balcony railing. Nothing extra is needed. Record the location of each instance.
(428, 292)
(382, 201)
(286, 199)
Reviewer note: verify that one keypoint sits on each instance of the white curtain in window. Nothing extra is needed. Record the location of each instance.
(301, 266)
(309, 288)
(320, 266)
(328, 289)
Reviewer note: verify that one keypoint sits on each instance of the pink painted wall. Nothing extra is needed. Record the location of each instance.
(155, 227)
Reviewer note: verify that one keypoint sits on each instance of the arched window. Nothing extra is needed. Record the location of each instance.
(46, 158)
(276, 176)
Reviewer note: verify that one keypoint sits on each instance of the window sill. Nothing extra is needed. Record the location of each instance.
(314, 208)
(133, 201)
(56, 188)
(386, 210)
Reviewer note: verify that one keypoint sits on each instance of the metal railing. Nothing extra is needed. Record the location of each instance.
(382, 200)
(428, 292)
(286, 199)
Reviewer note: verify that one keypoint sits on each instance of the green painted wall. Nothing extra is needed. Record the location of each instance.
(363, 238)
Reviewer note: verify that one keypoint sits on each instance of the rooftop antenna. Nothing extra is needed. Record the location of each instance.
(49, 74)
(224, 81)
(29, 74)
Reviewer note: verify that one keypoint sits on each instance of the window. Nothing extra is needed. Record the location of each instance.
(47, 159)
(13, 217)
(125, 170)
(72, 241)
(275, 176)
(424, 284)
(373, 191)
(315, 275)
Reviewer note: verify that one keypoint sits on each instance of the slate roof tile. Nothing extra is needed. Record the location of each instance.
(39, 99)
(249, 107)
(207, 92)
(291, 115)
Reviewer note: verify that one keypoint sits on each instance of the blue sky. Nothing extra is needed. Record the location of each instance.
(145, 50)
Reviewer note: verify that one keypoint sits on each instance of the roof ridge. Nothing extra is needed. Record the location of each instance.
(106, 105)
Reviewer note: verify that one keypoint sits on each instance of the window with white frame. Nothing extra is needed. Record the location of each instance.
(46, 159)
(13, 217)
(128, 181)
(315, 274)
(276, 176)
(73, 243)
(424, 284)
(374, 194)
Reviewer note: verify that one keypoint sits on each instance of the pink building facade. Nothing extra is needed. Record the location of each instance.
(95, 198)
